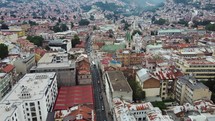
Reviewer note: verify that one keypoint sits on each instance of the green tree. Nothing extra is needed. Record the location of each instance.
(92, 18)
(32, 23)
(159, 104)
(4, 26)
(210, 27)
(138, 93)
(37, 40)
(94, 27)
(4, 51)
(84, 22)
(183, 22)
(59, 20)
(60, 28)
(75, 40)
(63, 27)
(160, 21)
(136, 31)
(74, 17)
(72, 24)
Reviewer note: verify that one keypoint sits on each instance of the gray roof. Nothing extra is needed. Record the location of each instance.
(118, 81)
(143, 74)
(192, 83)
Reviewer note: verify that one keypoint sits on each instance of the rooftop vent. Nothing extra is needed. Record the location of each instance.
(7, 108)
(41, 77)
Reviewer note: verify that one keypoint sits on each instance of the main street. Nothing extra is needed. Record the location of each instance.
(98, 91)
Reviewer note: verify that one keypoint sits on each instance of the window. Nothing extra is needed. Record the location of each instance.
(164, 93)
(28, 114)
(31, 104)
(26, 104)
(27, 109)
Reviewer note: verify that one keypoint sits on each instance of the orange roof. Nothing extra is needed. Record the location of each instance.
(85, 111)
(8, 68)
(40, 51)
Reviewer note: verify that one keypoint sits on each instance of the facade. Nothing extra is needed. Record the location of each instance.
(149, 84)
(116, 86)
(200, 68)
(10, 70)
(59, 63)
(31, 98)
(189, 90)
(137, 43)
(170, 32)
(59, 44)
(24, 64)
(168, 78)
(83, 71)
(127, 58)
(5, 84)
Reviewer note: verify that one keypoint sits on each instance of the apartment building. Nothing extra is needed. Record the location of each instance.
(83, 70)
(24, 63)
(5, 84)
(116, 86)
(188, 90)
(200, 68)
(127, 58)
(59, 63)
(31, 98)
(168, 77)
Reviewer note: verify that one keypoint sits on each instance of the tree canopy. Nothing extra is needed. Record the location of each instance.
(37, 40)
(4, 26)
(84, 22)
(210, 27)
(160, 21)
(136, 31)
(75, 40)
(138, 93)
(60, 27)
(4, 51)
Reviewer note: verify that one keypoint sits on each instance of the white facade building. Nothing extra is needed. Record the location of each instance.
(30, 99)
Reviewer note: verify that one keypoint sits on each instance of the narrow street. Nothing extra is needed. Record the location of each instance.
(99, 96)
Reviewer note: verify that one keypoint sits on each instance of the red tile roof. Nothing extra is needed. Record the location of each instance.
(73, 95)
(81, 45)
(39, 51)
(8, 68)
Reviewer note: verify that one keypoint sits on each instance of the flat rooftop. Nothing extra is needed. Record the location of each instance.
(73, 95)
(118, 81)
(55, 61)
(192, 83)
(34, 83)
(30, 88)
(49, 57)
